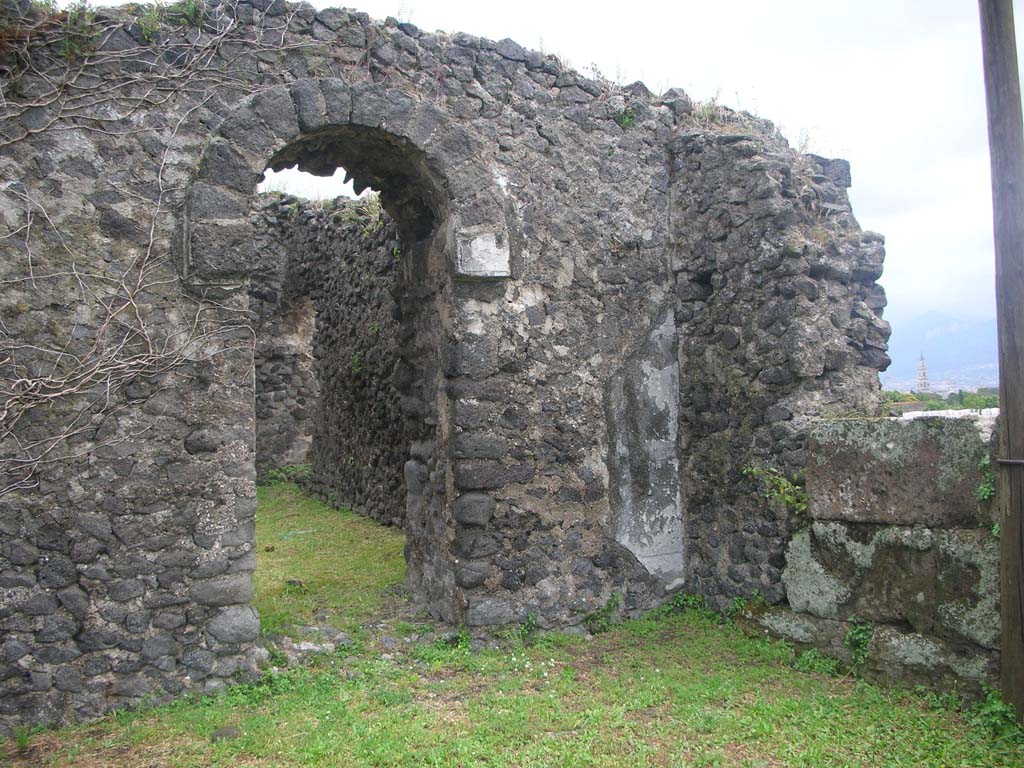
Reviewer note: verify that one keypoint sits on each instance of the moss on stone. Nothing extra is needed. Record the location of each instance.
(970, 667)
(967, 563)
(914, 650)
(790, 626)
(978, 621)
(836, 536)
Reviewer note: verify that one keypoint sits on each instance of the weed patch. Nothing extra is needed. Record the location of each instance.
(625, 118)
(813, 660)
(603, 619)
(858, 641)
(779, 489)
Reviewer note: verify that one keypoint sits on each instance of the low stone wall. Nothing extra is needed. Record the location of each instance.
(901, 538)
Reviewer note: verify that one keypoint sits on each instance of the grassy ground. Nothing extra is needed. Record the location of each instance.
(677, 689)
(317, 564)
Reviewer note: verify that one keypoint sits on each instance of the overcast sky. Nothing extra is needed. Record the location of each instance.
(894, 87)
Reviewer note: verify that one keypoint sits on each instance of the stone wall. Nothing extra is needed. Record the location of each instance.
(898, 537)
(573, 252)
(779, 323)
(286, 385)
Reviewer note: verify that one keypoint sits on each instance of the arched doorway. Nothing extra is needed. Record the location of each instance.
(445, 223)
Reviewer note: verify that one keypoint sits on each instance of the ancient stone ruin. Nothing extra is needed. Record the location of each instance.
(582, 312)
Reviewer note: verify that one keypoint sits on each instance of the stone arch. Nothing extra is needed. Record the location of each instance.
(316, 123)
(450, 213)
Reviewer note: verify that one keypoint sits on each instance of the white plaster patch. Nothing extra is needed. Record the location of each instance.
(485, 255)
(662, 384)
(650, 518)
(476, 314)
(567, 273)
(532, 295)
(501, 179)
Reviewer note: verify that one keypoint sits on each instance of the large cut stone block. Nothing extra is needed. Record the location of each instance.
(942, 583)
(894, 654)
(923, 471)
(218, 249)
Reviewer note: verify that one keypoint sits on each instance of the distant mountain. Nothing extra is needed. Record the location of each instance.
(960, 351)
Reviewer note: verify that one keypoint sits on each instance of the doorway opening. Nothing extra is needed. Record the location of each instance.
(347, 293)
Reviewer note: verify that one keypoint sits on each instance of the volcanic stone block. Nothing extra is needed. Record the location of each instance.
(895, 655)
(943, 583)
(219, 249)
(491, 611)
(921, 471)
(469, 445)
(473, 509)
(470, 574)
(487, 475)
(310, 105)
(236, 624)
(224, 590)
(224, 165)
(274, 105)
(337, 100)
(210, 201)
(474, 544)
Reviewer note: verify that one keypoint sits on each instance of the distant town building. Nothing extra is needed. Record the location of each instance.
(922, 376)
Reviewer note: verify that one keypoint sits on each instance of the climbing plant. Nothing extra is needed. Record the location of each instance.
(779, 489)
(50, 62)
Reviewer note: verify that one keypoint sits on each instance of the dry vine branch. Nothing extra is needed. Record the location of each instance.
(112, 76)
(85, 377)
(83, 381)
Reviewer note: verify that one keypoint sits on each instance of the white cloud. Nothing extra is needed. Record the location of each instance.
(894, 87)
(292, 181)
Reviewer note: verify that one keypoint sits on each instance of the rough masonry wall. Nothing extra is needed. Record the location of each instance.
(287, 390)
(779, 323)
(563, 241)
(899, 536)
(336, 266)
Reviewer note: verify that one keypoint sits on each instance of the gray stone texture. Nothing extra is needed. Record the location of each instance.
(778, 319)
(329, 337)
(899, 537)
(895, 655)
(125, 558)
(922, 471)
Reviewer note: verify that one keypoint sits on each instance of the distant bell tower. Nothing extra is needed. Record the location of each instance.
(922, 376)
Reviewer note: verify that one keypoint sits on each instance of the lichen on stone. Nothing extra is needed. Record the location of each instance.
(809, 587)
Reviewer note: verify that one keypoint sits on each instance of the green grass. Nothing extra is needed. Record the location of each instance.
(675, 689)
(338, 563)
